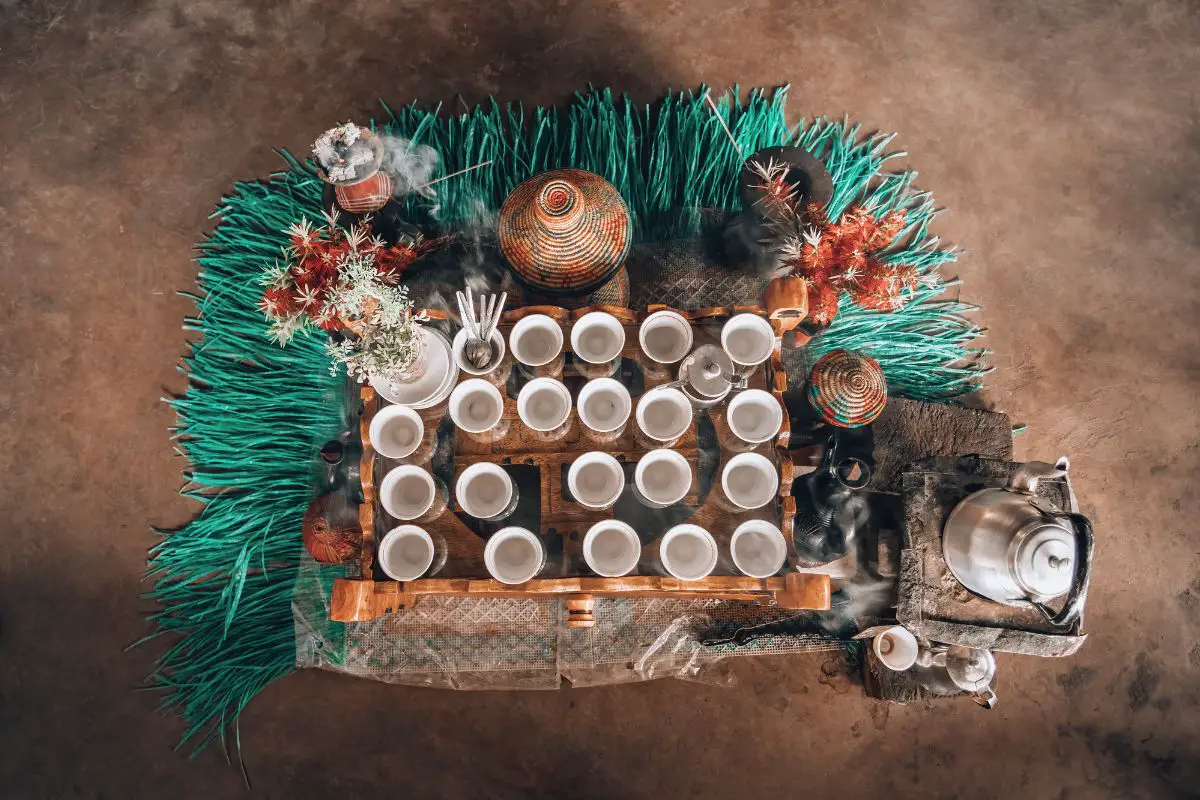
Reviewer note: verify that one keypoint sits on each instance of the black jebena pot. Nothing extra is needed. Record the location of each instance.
(745, 232)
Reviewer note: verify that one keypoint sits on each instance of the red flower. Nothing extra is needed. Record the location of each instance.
(279, 302)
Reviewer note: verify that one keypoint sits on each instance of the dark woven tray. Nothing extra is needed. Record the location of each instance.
(932, 603)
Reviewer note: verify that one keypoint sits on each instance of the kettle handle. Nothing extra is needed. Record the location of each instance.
(1085, 546)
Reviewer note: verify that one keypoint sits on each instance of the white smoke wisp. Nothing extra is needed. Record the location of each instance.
(478, 232)
(410, 166)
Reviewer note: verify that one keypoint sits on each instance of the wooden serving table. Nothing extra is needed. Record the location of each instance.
(538, 467)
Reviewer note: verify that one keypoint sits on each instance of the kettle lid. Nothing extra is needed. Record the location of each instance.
(704, 370)
(1044, 561)
(970, 668)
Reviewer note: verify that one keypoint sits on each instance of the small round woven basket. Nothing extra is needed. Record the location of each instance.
(565, 232)
(847, 389)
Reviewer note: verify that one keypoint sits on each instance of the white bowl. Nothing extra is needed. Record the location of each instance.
(405, 553)
(476, 405)
(604, 405)
(750, 480)
(665, 337)
(406, 492)
(663, 477)
(688, 552)
(460, 358)
(536, 340)
(611, 548)
(664, 414)
(484, 490)
(396, 431)
(544, 404)
(754, 416)
(514, 555)
(597, 337)
(596, 480)
(758, 548)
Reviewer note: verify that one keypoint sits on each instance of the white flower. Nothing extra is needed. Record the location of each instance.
(284, 330)
(302, 230)
(355, 236)
(275, 276)
(307, 296)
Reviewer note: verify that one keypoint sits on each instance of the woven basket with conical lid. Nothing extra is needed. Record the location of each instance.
(565, 231)
(847, 389)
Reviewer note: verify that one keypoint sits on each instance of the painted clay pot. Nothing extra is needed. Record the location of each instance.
(566, 232)
(847, 389)
(369, 193)
(326, 540)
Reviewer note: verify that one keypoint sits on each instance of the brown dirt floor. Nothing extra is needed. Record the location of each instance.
(1061, 136)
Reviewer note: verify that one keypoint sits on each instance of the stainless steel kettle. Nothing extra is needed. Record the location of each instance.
(1013, 547)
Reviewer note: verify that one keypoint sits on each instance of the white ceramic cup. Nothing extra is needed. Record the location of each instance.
(597, 337)
(688, 552)
(748, 339)
(754, 416)
(460, 358)
(664, 414)
(663, 478)
(407, 492)
(665, 337)
(535, 340)
(604, 404)
(396, 431)
(544, 404)
(758, 548)
(476, 405)
(896, 648)
(405, 553)
(514, 555)
(485, 491)
(611, 548)
(596, 480)
(749, 480)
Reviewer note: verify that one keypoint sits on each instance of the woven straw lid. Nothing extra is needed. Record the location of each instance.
(847, 389)
(565, 231)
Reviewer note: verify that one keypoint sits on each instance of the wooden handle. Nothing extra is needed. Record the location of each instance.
(786, 300)
(581, 610)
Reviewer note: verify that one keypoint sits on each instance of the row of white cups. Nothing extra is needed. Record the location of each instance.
(595, 480)
(611, 549)
(599, 337)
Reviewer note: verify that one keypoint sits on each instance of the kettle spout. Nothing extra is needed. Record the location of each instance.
(1025, 478)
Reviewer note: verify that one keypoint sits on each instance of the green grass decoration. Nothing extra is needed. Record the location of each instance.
(255, 414)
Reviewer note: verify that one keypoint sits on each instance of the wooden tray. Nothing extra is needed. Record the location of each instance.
(540, 465)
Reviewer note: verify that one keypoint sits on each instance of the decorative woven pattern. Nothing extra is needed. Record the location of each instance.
(369, 194)
(565, 231)
(847, 389)
(613, 293)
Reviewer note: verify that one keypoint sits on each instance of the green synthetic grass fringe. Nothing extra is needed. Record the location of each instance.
(255, 414)
(672, 161)
(250, 423)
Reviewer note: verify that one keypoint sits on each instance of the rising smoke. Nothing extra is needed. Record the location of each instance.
(410, 166)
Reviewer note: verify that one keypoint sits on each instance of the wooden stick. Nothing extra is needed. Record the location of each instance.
(725, 127)
(452, 175)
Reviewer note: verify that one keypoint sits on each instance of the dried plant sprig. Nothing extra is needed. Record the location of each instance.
(346, 280)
